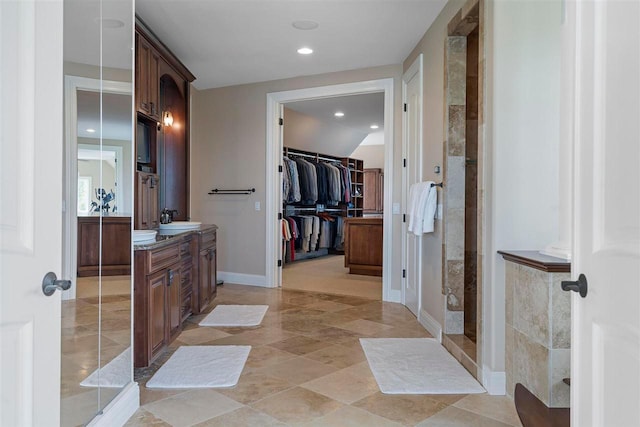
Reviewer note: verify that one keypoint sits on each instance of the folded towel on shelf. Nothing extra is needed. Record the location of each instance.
(423, 201)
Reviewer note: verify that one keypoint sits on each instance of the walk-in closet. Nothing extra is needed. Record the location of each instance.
(332, 180)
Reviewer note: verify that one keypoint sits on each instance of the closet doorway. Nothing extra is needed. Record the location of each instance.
(334, 148)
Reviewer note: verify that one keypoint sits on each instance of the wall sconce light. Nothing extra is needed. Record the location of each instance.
(167, 118)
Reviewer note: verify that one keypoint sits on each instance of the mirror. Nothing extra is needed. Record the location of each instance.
(96, 311)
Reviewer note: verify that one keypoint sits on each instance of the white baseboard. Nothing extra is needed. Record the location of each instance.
(395, 295)
(120, 409)
(243, 279)
(494, 382)
(430, 324)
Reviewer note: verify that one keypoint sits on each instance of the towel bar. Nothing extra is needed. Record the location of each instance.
(247, 191)
(441, 185)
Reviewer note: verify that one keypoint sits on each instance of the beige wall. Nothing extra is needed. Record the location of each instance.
(228, 150)
(432, 48)
(371, 155)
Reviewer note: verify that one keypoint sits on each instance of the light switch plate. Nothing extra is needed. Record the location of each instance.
(396, 208)
(257, 205)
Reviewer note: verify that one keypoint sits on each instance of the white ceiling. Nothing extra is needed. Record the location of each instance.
(231, 42)
(360, 111)
(116, 115)
(84, 40)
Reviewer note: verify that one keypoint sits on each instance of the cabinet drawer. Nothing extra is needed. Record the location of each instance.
(186, 279)
(162, 258)
(185, 248)
(207, 239)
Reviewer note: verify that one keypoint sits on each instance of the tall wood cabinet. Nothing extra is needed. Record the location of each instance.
(373, 191)
(162, 87)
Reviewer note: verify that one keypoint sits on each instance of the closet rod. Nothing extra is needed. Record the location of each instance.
(218, 191)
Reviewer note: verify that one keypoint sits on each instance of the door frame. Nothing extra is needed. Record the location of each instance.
(72, 84)
(416, 69)
(273, 201)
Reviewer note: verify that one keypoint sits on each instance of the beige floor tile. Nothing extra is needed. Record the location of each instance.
(343, 386)
(256, 337)
(402, 408)
(192, 407)
(263, 356)
(334, 335)
(329, 306)
(349, 416)
(148, 395)
(200, 335)
(143, 418)
(243, 417)
(297, 405)
(499, 408)
(337, 356)
(454, 417)
(255, 386)
(365, 327)
(299, 345)
(298, 370)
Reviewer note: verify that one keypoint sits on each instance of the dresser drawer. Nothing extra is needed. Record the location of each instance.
(207, 239)
(162, 257)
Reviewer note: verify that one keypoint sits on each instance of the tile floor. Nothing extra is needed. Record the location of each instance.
(79, 344)
(306, 368)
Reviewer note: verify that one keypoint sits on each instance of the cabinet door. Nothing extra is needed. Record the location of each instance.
(146, 215)
(152, 209)
(204, 281)
(154, 85)
(213, 275)
(157, 285)
(147, 83)
(371, 190)
(174, 302)
(142, 75)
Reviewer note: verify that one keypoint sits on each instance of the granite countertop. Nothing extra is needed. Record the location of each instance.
(535, 259)
(166, 238)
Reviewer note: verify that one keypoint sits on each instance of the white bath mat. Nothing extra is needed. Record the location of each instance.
(202, 367)
(235, 315)
(416, 366)
(116, 373)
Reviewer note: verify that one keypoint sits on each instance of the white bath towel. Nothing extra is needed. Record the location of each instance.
(423, 201)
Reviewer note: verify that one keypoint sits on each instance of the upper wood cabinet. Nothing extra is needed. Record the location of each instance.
(147, 215)
(373, 191)
(147, 81)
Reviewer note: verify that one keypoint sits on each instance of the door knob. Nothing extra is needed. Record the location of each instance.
(579, 285)
(50, 284)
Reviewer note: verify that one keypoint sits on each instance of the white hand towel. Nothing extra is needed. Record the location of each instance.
(413, 202)
(425, 208)
(428, 222)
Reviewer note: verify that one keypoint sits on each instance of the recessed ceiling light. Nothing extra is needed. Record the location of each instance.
(374, 126)
(91, 130)
(305, 51)
(110, 22)
(339, 114)
(305, 25)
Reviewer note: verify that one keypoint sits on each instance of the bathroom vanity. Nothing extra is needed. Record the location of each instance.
(175, 276)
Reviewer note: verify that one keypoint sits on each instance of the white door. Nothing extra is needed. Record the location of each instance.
(30, 210)
(605, 354)
(412, 173)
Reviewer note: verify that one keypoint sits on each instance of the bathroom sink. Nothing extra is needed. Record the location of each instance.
(180, 226)
(144, 236)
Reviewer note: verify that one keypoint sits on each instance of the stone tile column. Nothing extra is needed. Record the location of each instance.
(538, 326)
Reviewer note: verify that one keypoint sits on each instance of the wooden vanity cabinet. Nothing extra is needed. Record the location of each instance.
(147, 81)
(207, 268)
(147, 215)
(161, 280)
